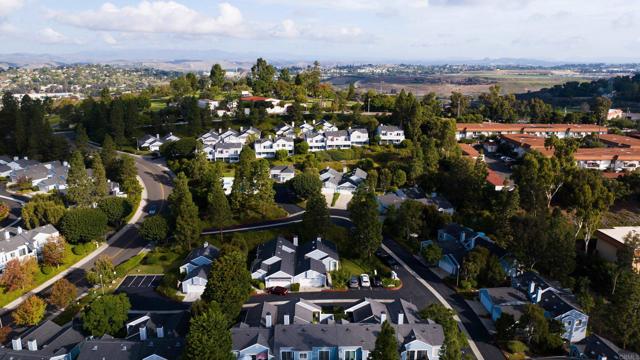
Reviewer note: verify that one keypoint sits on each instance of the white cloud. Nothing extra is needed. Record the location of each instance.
(109, 39)
(289, 29)
(372, 5)
(50, 36)
(154, 17)
(9, 6)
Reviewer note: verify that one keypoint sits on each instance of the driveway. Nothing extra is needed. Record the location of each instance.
(341, 203)
(141, 290)
(494, 163)
(15, 207)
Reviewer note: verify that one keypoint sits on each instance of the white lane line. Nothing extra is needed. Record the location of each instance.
(435, 293)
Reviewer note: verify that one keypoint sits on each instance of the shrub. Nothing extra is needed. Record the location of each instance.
(115, 208)
(295, 287)
(83, 225)
(30, 312)
(4, 211)
(516, 346)
(83, 248)
(154, 228)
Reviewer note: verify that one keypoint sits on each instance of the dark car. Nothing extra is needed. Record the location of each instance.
(392, 262)
(278, 290)
(381, 254)
(376, 281)
(354, 283)
(152, 210)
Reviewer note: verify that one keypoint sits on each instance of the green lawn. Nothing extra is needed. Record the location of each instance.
(159, 261)
(158, 104)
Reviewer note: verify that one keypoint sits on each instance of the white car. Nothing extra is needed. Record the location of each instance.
(364, 280)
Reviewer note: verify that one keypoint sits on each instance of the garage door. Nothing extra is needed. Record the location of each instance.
(313, 282)
(284, 282)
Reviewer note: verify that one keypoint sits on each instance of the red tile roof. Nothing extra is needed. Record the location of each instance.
(619, 140)
(494, 178)
(469, 150)
(254, 98)
(525, 128)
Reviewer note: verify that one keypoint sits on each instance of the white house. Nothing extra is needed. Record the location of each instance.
(306, 127)
(152, 143)
(196, 268)
(211, 104)
(227, 152)
(286, 130)
(21, 244)
(335, 181)
(282, 173)
(267, 148)
(390, 134)
(316, 141)
(358, 137)
(282, 263)
(325, 126)
(339, 139)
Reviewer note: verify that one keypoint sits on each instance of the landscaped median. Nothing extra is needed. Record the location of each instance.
(75, 256)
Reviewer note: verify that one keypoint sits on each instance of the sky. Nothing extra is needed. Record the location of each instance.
(340, 30)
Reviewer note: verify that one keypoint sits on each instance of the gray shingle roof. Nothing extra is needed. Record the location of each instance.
(337, 133)
(16, 240)
(118, 349)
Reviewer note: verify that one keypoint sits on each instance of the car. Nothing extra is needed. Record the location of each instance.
(278, 290)
(364, 280)
(376, 281)
(508, 159)
(152, 210)
(392, 263)
(353, 283)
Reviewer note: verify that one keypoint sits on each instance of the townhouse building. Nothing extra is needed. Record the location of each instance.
(390, 134)
(267, 148)
(17, 243)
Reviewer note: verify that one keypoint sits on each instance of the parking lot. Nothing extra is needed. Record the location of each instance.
(141, 290)
(141, 281)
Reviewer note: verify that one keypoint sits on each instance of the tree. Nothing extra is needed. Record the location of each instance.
(386, 347)
(538, 329)
(539, 179)
(384, 182)
(626, 258)
(109, 155)
(432, 253)
(410, 218)
(229, 283)
(184, 212)
(459, 104)
(306, 184)
(127, 177)
(454, 339)
(100, 186)
(83, 225)
(115, 208)
(154, 228)
(217, 75)
(316, 220)
(4, 211)
(367, 231)
(505, 328)
(79, 186)
(63, 293)
(219, 210)
(54, 251)
(624, 311)
(399, 178)
(301, 147)
(30, 312)
(106, 314)
(42, 210)
(103, 271)
(262, 191)
(601, 108)
(18, 274)
(262, 77)
(243, 182)
(209, 337)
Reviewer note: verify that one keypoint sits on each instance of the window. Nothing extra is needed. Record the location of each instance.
(323, 355)
(302, 356)
(350, 355)
(418, 355)
(286, 355)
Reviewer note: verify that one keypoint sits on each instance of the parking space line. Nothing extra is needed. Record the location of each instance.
(141, 280)
(127, 282)
(150, 281)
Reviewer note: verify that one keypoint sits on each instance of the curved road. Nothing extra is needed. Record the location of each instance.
(157, 183)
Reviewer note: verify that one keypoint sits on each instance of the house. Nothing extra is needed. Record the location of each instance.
(358, 137)
(503, 300)
(325, 126)
(615, 114)
(196, 269)
(43, 176)
(390, 134)
(610, 241)
(17, 243)
(615, 140)
(152, 143)
(114, 189)
(267, 148)
(487, 129)
(595, 347)
(495, 180)
(207, 103)
(334, 341)
(557, 304)
(521, 144)
(46, 341)
(286, 130)
(306, 128)
(470, 152)
(147, 326)
(282, 173)
(455, 241)
(373, 311)
(339, 139)
(227, 152)
(401, 195)
(611, 159)
(108, 347)
(210, 138)
(281, 263)
(490, 146)
(227, 184)
(335, 181)
(316, 141)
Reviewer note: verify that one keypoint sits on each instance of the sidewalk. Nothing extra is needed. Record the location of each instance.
(134, 219)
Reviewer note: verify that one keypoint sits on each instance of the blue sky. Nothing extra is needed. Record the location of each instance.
(569, 30)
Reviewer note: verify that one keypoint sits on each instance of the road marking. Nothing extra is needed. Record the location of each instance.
(435, 293)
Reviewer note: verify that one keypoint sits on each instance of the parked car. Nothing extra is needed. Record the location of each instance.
(278, 290)
(153, 210)
(381, 254)
(364, 280)
(353, 283)
(392, 263)
(377, 281)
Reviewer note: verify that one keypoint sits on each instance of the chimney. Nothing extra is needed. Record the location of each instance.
(383, 317)
(143, 332)
(400, 318)
(538, 296)
(15, 158)
(219, 130)
(287, 321)
(463, 235)
(206, 244)
(32, 345)
(267, 320)
(319, 239)
(532, 287)
(241, 128)
(16, 344)
(295, 240)
(7, 235)
(19, 229)
(160, 332)
(157, 136)
(314, 123)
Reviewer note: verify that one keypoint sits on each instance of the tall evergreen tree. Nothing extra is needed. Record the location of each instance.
(79, 185)
(116, 121)
(100, 186)
(185, 213)
(263, 193)
(127, 176)
(209, 337)
(229, 283)
(217, 75)
(367, 232)
(386, 347)
(109, 155)
(218, 207)
(316, 220)
(243, 182)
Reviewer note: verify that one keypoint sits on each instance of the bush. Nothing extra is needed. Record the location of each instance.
(516, 346)
(306, 184)
(4, 211)
(295, 287)
(154, 228)
(115, 208)
(128, 265)
(149, 260)
(30, 312)
(83, 225)
(282, 155)
(83, 248)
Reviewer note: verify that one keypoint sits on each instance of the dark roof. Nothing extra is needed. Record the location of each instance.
(596, 347)
(118, 349)
(272, 248)
(388, 128)
(174, 325)
(244, 337)
(209, 251)
(283, 169)
(306, 264)
(326, 246)
(51, 339)
(200, 271)
(337, 133)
